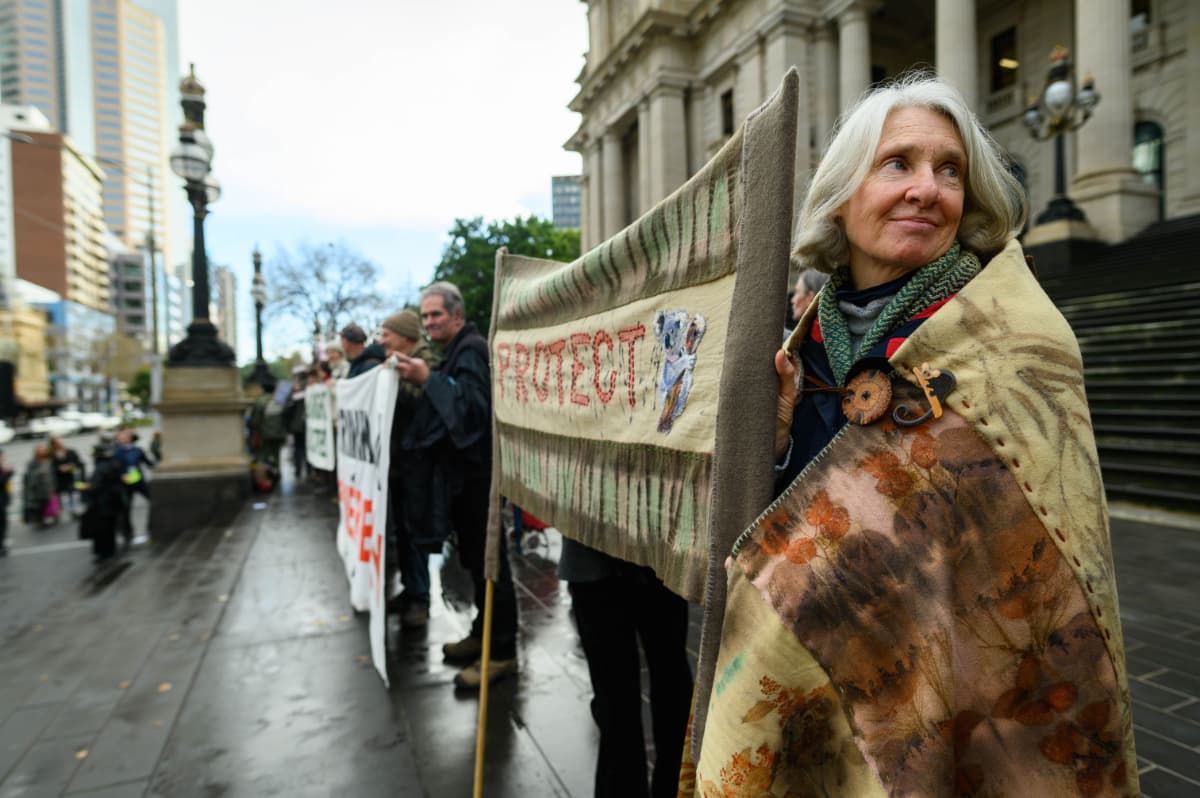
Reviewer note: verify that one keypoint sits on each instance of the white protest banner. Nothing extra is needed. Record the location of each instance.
(365, 405)
(318, 432)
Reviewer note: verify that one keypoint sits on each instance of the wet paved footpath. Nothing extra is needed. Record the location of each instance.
(229, 664)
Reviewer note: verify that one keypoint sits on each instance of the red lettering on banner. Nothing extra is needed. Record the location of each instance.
(556, 348)
(630, 336)
(604, 396)
(578, 367)
(520, 366)
(503, 356)
(542, 389)
(366, 542)
(534, 368)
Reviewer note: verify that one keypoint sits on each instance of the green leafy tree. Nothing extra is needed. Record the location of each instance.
(469, 257)
(139, 387)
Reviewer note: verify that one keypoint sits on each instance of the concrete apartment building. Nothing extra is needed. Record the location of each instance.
(58, 226)
(667, 81)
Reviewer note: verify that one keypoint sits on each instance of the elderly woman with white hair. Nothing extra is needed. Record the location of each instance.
(929, 606)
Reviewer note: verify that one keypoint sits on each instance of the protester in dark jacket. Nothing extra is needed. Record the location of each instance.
(362, 356)
(454, 421)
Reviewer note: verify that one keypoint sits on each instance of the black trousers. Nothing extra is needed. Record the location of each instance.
(468, 513)
(125, 521)
(612, 616)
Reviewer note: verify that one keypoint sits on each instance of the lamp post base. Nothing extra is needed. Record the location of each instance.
(1061, 208)
(1062, 247)
(201, 347)
(261, 375)
(204, 476)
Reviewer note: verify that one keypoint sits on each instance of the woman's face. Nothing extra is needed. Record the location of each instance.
(907, 210)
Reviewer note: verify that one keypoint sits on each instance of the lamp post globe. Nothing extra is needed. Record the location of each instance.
(192, 160)
(1059, 110)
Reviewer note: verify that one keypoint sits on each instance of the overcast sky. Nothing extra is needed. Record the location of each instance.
(377, 122)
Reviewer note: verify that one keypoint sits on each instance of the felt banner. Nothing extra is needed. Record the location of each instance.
(621, 378)
(364, 418)
(318, 431)
(634, 389)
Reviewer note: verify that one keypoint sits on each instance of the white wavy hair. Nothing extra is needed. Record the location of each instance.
(994, 207)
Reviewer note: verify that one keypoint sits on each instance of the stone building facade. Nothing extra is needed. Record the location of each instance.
(666, 82)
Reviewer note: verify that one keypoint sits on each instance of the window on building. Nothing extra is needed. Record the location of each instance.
(727, 112)
(1139, 15)
(1148, 157)
(1004, 59)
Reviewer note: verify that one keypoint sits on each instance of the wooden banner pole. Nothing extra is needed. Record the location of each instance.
(484, 663)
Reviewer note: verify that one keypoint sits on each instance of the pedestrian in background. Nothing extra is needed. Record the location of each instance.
(808, 285)
(294, 415)
(454, 423)
(617, 606)
(105, 501)
(268, 433)
(37, 489)
(68, 469)
(133, 461)
(339, 368)
(363, 356)
(409, 475)
(5, 495)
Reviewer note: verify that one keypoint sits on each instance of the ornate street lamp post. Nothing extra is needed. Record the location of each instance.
(1060, 109)
(261, 375)
(192, 160)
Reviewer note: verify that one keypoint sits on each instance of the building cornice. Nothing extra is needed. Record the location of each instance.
(652, 25)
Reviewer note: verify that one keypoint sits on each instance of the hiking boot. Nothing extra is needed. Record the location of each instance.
(416, 616)
(471, 677)
(466, 650)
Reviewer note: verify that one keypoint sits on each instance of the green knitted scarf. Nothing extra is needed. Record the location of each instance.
(931, 284)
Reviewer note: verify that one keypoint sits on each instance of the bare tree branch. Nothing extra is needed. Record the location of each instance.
(330, 284)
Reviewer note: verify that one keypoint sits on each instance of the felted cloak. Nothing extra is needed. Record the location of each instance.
(932, 610)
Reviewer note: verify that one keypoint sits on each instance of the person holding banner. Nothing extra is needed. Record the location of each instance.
(401, 335)
(928, 607)
(453, 425)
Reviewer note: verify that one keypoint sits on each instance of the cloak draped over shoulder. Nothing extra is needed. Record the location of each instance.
(932, 610)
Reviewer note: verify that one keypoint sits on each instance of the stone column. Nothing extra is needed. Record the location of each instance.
(957, 54)
(787, 46)
(668, 142)
(747, 88)
(854, 53)
(1189, 203)
(593, 221)
(825, 102)
(648, 158)
(613, 167)
(1115, 200)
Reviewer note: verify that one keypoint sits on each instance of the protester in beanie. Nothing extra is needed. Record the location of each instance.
(401, 334)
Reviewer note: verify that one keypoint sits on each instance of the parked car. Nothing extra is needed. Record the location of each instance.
(6, 433)
(54, 426)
